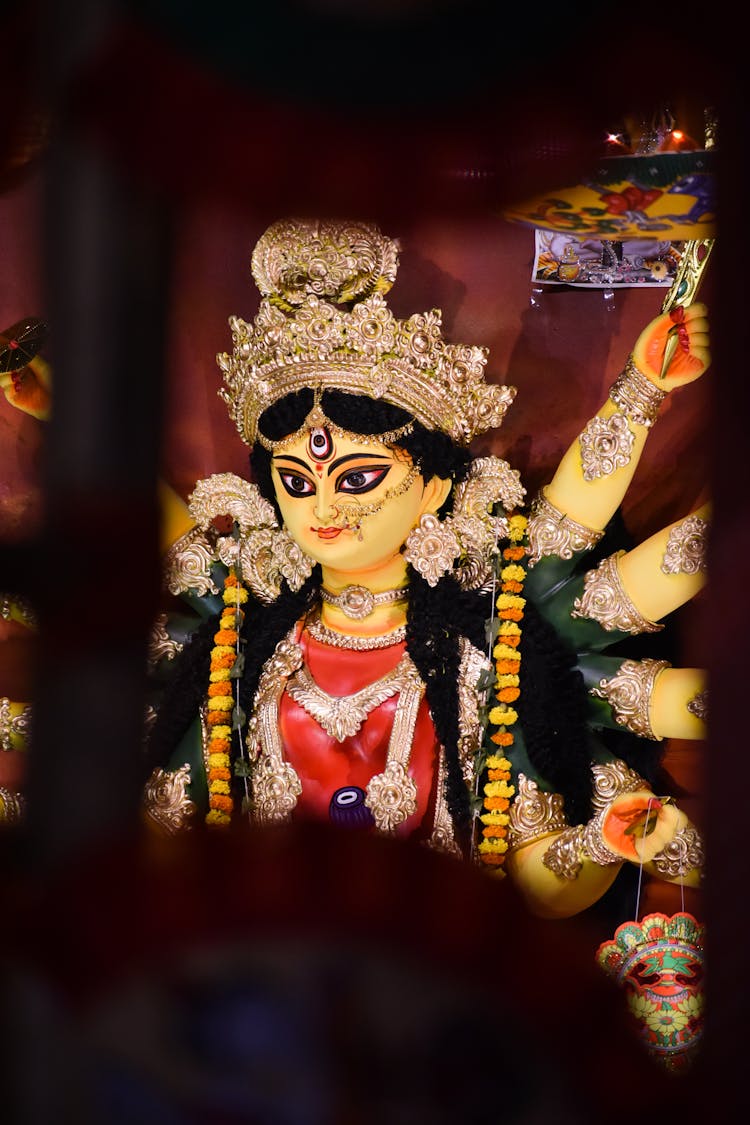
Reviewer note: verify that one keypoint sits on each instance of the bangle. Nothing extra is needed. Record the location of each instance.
(551, 532)
(605, 601)
(636, 396)
(683, 853)
(629, 693)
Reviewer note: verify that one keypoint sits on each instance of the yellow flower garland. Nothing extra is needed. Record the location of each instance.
(220, 703)
(497, 792)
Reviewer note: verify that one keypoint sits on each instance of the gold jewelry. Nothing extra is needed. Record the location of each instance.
(604, 600)
(351, 512)
(464, 544)
(160, 645)
(551, 532)
(358, 602)
(534, 813)
(629, 693)
(565, 855)
(342, 716)
(301, 337)
(14, 725)
(683, 853)
(637, 397)
(431, 548)
(606, 445)
(12, 806)
(320, 632)
(317, 419)
(390, 795)
(685, 552)
(698, 705)
(187, 564)
(263, 555)
(165, 799)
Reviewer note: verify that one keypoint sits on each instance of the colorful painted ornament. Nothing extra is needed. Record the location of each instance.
(659, 963)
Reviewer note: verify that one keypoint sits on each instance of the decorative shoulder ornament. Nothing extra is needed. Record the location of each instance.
(323, 323)
(259, 550)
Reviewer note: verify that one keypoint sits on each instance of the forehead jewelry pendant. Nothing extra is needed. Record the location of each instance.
(358, 602)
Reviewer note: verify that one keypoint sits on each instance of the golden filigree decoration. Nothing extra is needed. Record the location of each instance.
(636, 396)
(160, 645)
(264, 554)
(187, 564)
(629, 693)
(464, 544)
(564, 856)
(327, 636)
(391, 796)
(166, 800)
(13, 724)
(567, 852)
(551, 532)
(474, 665)
(276, 790)
(606, 444)
(698, 705)
(296, 259)
(684, 853)
(685, 552)
(12, 806)
(605, 601)
(432, 548)
(534, 813)
(442, 838)
(341, 716)
(611, 780)
(300, 340)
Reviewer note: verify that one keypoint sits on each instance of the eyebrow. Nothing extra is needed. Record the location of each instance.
(334, 464)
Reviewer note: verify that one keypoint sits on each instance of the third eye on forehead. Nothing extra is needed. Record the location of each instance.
(320, 444)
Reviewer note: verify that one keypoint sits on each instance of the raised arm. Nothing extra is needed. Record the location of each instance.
(595, 472)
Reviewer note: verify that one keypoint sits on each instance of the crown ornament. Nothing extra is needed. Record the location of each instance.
(323, 323)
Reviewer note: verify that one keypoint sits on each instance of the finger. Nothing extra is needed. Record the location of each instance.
(696, 310)
(700, 324)
(699, 340)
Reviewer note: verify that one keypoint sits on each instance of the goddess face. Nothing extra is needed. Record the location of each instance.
(350, 504)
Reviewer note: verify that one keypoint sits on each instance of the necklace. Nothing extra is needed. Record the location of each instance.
(358, 602)
(341, 716)
(391, 796)
(320, 632)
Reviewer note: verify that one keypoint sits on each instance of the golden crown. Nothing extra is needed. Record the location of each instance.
(302, 337)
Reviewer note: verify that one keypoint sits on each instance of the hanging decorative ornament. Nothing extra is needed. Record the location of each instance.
(659, 962)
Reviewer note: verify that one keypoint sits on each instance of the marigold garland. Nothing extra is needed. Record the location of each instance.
(497, 790)
(220, 702)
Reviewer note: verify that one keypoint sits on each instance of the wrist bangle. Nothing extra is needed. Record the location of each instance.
(629, 693)
(636, 396)
(605, 601)
(552, 532)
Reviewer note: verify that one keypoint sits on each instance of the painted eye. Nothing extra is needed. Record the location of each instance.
(297, 485)
(362, 480)
(320, 444)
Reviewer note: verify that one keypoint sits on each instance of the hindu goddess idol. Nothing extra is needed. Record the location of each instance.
(383, 636)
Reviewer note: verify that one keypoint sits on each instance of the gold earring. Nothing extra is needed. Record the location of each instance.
(432, 548)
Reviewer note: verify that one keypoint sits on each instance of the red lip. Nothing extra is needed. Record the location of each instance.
(327, 532)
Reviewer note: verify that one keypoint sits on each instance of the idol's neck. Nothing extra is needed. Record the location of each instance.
(383, 618)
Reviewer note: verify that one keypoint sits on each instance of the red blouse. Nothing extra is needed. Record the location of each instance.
(324, 765)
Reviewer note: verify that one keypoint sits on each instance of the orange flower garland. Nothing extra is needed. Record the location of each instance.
(220, 705)
(510, 606)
